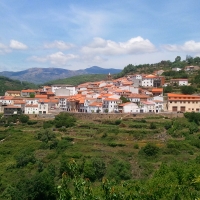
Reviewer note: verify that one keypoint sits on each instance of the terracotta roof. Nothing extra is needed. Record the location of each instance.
(157, 90)
(179, 79)
(7, 97)
(41, 96)
(148, 102)
(28, 91)
(110, 99)
(43, 101)
(127, 103)
(182, 95)
(9, 91)
(11, 106)
(135, 95)
(19, 102)
(97, 104)
(31, 105)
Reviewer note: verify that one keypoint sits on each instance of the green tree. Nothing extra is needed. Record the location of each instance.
(187, 89)
(32, 95)
(23, 118)
(124, 99)
(64, 119)
(178, 59)
(150, 150)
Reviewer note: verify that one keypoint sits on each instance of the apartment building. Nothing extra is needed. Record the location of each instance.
(183, 103)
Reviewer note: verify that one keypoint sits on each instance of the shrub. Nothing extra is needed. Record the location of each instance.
(112, 144)
(119, 170)
(168, 125)
(64, 120)
(118, 121)
(63, 145)
(23, 118)
(32, 122)
(24, 157)
(48, 124)
(150, 150)
(94, 169)
(152, 125)
(136, 146)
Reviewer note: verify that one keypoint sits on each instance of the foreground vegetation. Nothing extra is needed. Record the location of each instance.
(131, 158)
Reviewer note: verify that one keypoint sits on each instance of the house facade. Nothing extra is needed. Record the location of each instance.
(183, 103)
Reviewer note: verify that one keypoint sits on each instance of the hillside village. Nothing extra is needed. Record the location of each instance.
(134, 93)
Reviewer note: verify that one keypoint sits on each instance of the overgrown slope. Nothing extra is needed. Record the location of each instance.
(9, 84)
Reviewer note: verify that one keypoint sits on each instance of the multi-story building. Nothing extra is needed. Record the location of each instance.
(111, 104)
(179, 82)
(183, 103)
(71, 88)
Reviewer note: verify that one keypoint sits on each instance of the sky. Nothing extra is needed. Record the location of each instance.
(77, 34)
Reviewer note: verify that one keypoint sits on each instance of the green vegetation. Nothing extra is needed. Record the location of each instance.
(76, 80)
(9, 84)
(164, 65)
(130, 158)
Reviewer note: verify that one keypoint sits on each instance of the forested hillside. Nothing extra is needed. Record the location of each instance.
(76, 80)
(152, 157)
(164, 65)
(9, 84)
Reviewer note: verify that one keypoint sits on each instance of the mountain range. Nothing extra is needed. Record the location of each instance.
(42, 75)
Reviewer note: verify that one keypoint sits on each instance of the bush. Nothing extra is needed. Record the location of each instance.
(136, 146)
(152, 125)
(118, 121)
(150, 150)
(168, 125)
(94, 169)
(32, 122)
(112, 144)
(48, 124)
(23, 118)
(64, 120)
(119, 170)
(24, 157)
(63, 145)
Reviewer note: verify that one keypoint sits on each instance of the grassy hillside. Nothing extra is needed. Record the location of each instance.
(130, 149)
(9, 84)
(76, 80)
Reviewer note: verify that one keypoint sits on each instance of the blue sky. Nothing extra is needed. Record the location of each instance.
(78, 34)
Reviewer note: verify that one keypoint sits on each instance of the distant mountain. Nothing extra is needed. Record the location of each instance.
(42, 75)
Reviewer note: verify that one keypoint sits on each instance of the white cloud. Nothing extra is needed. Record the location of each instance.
(136, 45)
(14, 44)
(88, 58)
(4, 49)
(57, 59)
(189, 46)
(58, 45)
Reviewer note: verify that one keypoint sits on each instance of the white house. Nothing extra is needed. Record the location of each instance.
(111, 104)
(176, 69)
(31, 101)
(180, 82)
(148, 106)
(71, 88)
(128, 107)
(31, 109)
(95, 107)
(6, 100)
(43, 106)
(147, 81)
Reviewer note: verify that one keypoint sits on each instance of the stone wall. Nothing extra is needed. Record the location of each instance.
(113, 116)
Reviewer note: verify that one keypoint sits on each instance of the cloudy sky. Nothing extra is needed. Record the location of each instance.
(78, 34)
